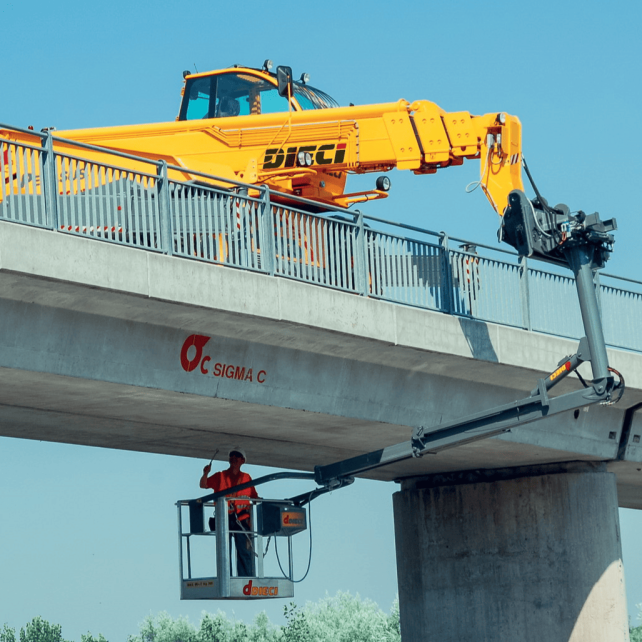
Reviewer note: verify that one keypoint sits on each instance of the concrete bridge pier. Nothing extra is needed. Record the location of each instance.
(511, 555)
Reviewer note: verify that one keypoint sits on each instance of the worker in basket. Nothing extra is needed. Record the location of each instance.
(239, 514)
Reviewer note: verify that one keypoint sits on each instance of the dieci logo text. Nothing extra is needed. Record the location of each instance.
(192, 358)
(264, 591)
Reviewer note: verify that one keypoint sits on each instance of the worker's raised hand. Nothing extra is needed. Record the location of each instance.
(207, 469)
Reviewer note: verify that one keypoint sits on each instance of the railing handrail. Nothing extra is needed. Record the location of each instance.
(293, 197)
(620, 278)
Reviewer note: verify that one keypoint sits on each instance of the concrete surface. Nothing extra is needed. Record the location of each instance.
(91, 354)
(517, 556)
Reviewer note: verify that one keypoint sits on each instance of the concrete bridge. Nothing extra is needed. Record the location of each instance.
(99, 349)
(117, 346)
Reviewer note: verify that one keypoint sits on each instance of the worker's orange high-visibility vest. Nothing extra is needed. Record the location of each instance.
(222, 481)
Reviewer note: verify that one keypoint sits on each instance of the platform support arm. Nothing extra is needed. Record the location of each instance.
(478, 426)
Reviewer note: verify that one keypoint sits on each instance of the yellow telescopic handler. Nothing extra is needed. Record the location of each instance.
(264, 128)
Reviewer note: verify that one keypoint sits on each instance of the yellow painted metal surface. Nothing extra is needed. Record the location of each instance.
(262, 148)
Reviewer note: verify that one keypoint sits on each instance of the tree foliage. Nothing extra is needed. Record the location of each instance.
(164, 629)
(342, 618)
(346, 618)
(39, 630)
(7, 634)
(88, 637)
(213, 628)
(297, 628)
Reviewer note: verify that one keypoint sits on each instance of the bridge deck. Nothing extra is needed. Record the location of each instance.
(91, 354)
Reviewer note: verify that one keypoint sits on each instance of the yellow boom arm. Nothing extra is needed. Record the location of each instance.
(310, 152)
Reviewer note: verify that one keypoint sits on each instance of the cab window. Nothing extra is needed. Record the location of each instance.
(272, 103)
(230, 94)
(197, 99)
(313, 98)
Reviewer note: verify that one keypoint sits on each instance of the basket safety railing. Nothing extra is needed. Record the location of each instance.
(57, 184)
(208, 557)
(207, 543)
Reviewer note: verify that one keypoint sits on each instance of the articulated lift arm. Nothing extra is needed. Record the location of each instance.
(583, 244)
(481, 425)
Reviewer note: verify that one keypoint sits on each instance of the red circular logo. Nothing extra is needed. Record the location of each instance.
(196, 341)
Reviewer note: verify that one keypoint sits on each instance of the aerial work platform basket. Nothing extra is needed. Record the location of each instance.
(208, 568)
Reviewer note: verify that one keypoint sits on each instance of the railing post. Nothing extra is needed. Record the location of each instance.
(258, 545)
(49, 182)
(362, 284)
(524, 292)
(162, 191)
(268, 245)
(180, 545)
(223, 566)
(446, 275)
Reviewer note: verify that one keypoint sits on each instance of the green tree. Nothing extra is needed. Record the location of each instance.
(214, 628)
(347, 618)
(7, 634)
(394, 619)
(88, 637)
(297, 628)
(263, 630)
(165, 629)
(342, 618)
(240, 632)
(39, 630)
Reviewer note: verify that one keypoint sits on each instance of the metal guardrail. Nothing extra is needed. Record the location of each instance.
(249, 227)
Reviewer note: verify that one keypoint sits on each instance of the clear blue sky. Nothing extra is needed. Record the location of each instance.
(88, 536)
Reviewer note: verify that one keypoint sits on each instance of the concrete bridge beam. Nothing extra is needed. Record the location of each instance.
(512, 555)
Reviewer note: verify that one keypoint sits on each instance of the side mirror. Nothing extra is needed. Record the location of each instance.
(284, 80)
